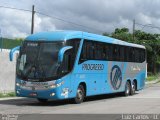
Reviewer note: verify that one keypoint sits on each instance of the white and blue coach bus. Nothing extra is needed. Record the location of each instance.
(74, 64)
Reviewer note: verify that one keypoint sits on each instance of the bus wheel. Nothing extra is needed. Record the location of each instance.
(80, 95)
(133, 88)
(127, 89)
(42, 100)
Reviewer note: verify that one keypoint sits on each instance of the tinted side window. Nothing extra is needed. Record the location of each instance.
(142, 55)
(83, 56)
(98, 48)
(87, 52)
(93, 50)
(133, 54)
(137, 55)
(110, 52)
(122, 53)
(105, 51)
(70, 55)
(90, 50)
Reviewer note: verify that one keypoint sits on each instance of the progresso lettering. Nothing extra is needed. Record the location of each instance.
(92, 67)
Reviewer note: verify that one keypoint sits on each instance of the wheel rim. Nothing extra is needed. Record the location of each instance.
(127, 89)
(79, 94)
(133, 88)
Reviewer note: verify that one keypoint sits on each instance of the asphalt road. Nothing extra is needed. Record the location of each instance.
(143, 102)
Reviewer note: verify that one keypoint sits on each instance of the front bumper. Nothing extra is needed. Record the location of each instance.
(44, 94)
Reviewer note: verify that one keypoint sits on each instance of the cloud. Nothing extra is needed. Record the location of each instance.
(14, 23)
(43, 24)
(97, 15)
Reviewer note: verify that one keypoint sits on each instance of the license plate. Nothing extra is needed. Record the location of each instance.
(33, 94)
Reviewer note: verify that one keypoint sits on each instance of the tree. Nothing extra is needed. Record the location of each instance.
(122, 34)
(150, 41)
(152, 44)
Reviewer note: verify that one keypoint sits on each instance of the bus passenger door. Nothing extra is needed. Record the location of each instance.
(66, 69)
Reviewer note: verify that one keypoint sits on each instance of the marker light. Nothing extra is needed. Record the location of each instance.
(61, 83)
(18, 92)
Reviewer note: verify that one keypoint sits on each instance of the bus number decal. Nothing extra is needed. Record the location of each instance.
(116, 77)
(92, 67)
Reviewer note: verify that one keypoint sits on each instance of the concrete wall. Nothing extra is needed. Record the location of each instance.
(7, 72)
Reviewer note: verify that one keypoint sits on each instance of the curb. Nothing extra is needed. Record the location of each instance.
(11, 98)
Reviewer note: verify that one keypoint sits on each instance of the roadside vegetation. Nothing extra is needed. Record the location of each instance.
(153, 77)
(10, 94)
(6, 43)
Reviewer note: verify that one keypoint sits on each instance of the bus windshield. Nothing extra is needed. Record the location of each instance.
(38, 61)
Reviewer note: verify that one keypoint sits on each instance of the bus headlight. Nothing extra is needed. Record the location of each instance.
(61, 83)
(17, 84)
(52, 94)
(52, 86)
(56, 85)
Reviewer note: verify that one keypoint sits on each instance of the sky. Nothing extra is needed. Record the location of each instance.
(95, 16)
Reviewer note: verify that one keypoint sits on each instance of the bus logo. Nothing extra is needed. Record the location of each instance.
(116, 77)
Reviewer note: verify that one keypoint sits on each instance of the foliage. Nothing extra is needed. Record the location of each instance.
(122, 34)
(6, 43)
(10, 94)
(150, 41)
(152, 77)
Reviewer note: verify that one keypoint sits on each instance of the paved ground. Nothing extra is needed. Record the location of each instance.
(145, 101)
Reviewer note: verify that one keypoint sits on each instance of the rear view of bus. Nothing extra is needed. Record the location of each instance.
(54, 65)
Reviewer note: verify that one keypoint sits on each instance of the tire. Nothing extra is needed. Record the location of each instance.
(80, 95)
(127, 91)
(42, 100)
(133, 88)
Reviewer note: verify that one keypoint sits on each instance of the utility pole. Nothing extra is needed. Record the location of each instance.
(133, 29)
(32, 24)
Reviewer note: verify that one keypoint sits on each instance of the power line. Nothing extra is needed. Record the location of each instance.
(16, 8)
(53, 17)
(147, 25)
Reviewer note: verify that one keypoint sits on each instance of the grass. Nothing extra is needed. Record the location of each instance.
(6, 43)
(10, 94)
(153, 77)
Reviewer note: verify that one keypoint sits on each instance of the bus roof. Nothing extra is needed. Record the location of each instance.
(66, 35)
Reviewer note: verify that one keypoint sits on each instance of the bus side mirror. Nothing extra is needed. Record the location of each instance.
(61, 53)
(12, 52)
